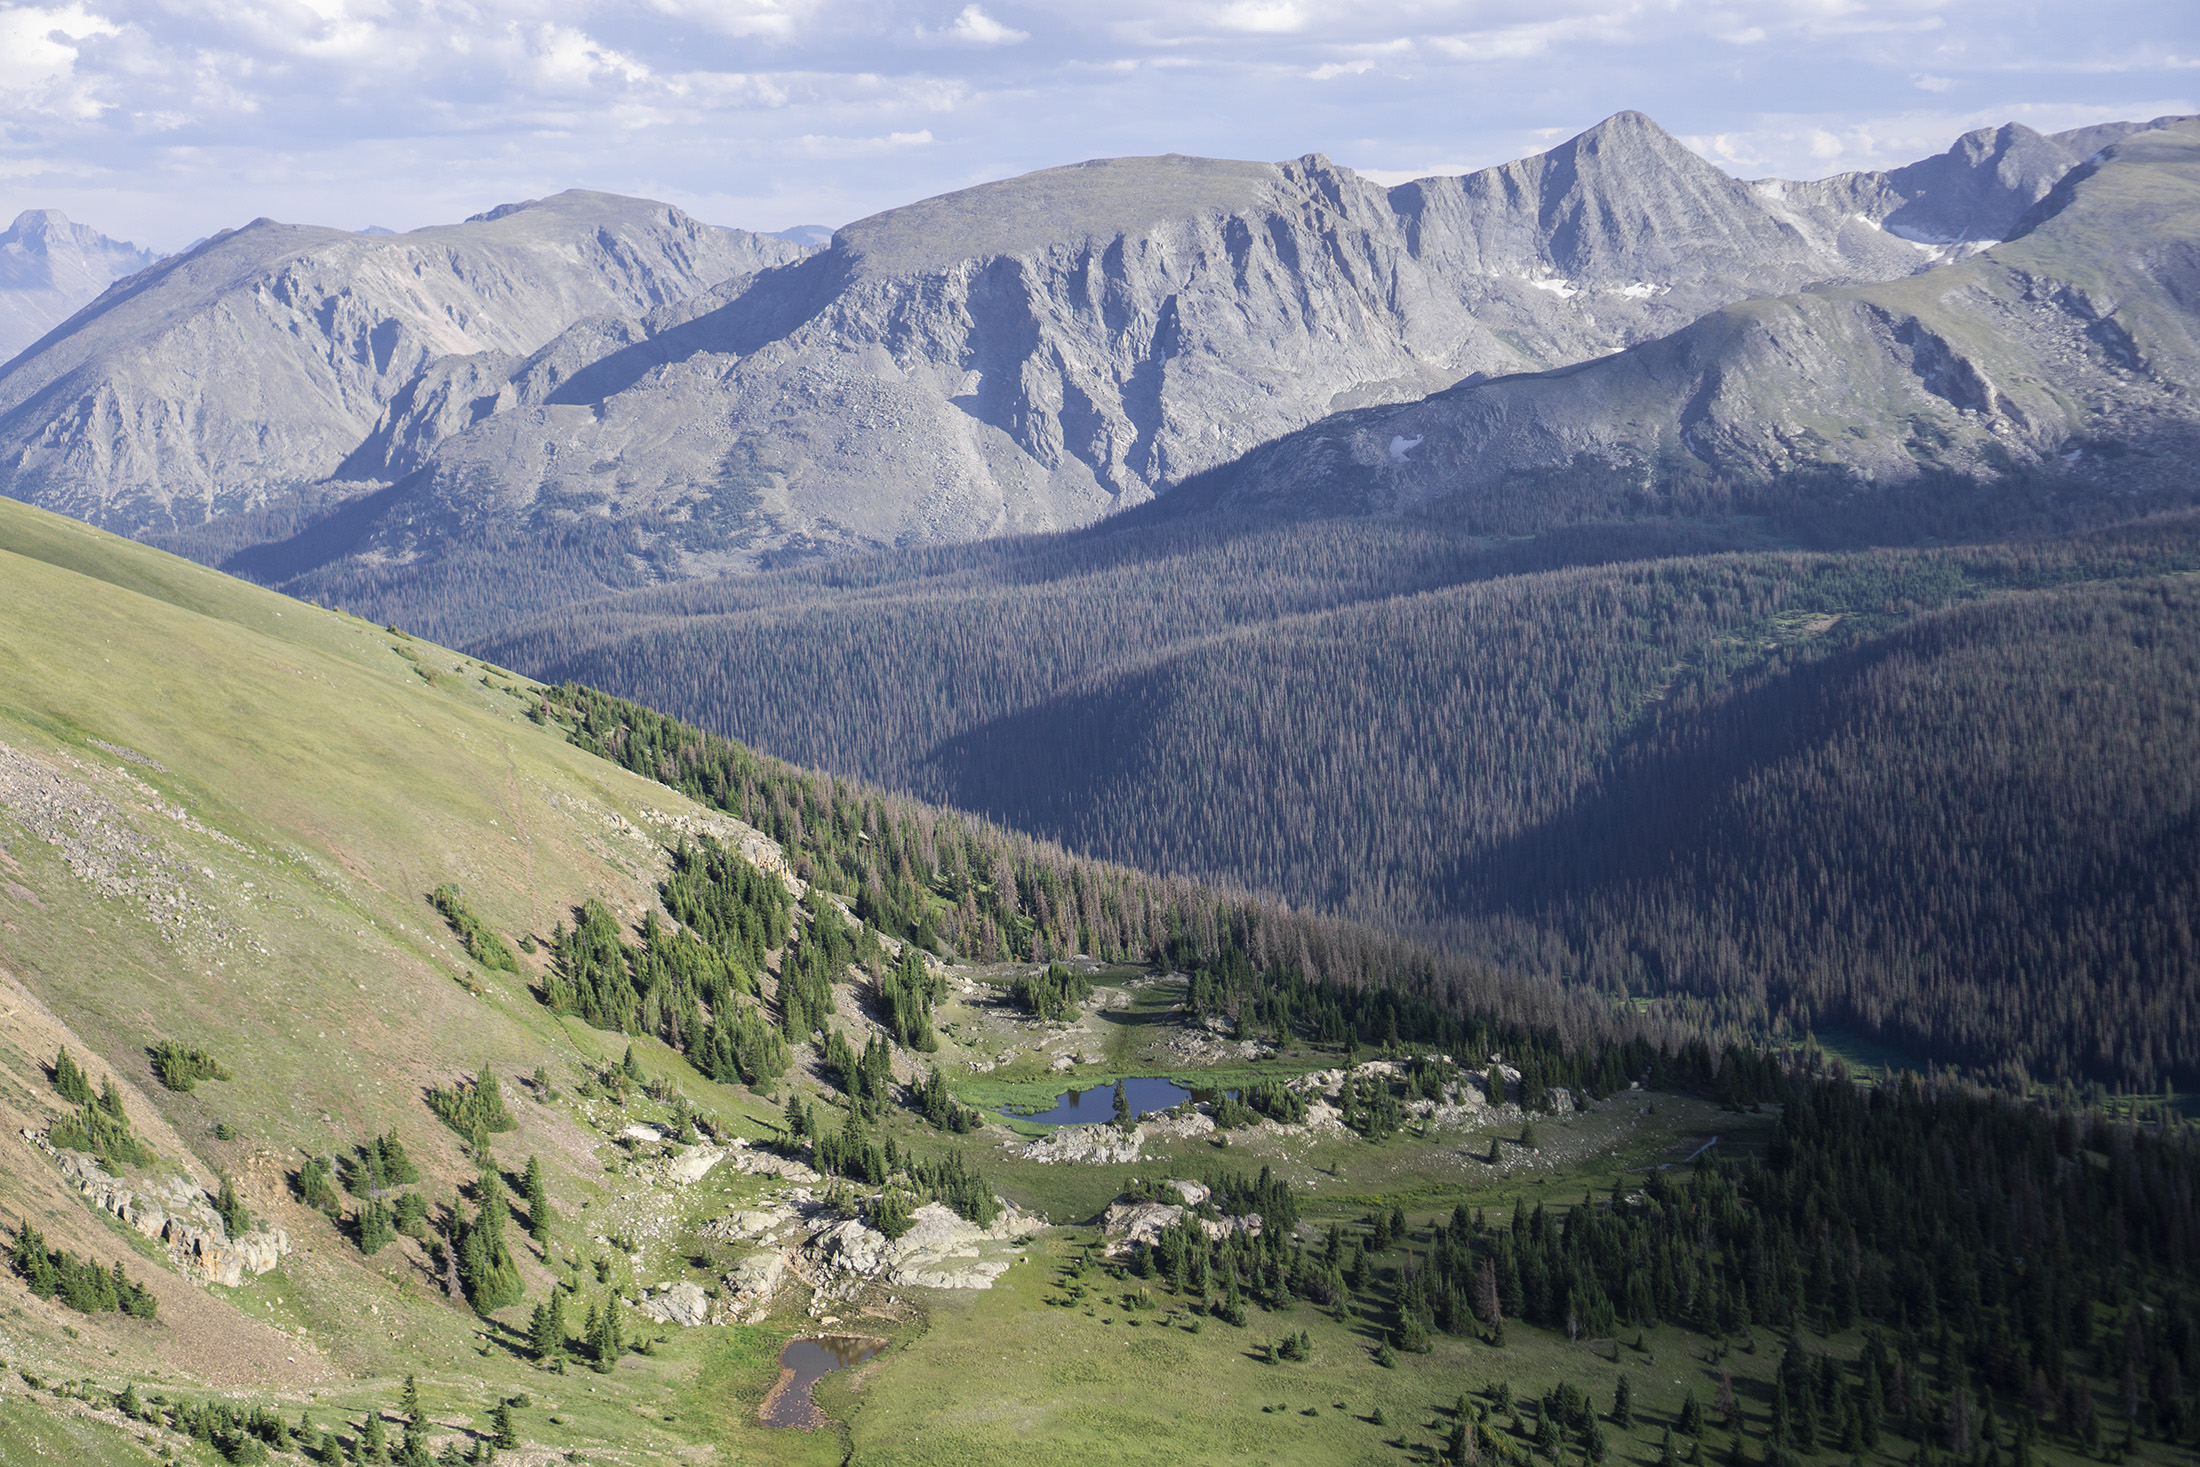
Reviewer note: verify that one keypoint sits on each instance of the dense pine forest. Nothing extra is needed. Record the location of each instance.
(1882, 791)
(952, 882)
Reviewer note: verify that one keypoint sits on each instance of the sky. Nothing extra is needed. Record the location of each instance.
(162, 121)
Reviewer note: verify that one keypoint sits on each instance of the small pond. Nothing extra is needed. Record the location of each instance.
(802, 1365)
(1085, 1107)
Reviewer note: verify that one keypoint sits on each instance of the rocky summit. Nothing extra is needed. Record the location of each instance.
(49, 267)
(2065, 348)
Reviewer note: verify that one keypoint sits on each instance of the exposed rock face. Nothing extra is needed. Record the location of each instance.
(764, 1163)
(695, 1164)
(841, 1257)
(1031, 354)
(941, 1250)
(2076, 334)
(260, 359)
(1969, 197)
(177, 1213)
(751, 1286)
(1126, 1224)
(683, 1303)
(588, 393)
(1095, 1145)
(49, 267)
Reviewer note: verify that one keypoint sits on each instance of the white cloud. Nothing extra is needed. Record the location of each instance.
(1261, 17)
(38, 58)
(1925, 83)
(777, 20)
(976, 26)
(566, 57)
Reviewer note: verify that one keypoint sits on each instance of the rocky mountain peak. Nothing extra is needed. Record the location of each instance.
(1037, 212)
(49, 267)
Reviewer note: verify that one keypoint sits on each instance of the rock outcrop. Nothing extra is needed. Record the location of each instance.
(1126, 1224)
(751, 1286)
(683, 1303)
(1094, 1145)
(177, 1213)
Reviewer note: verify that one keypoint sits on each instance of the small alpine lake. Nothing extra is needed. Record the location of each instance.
(802, 1365)
(1084, 1107)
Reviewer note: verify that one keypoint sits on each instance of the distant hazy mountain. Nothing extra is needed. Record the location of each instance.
(1972, 195)
(49, 267)
(254, 362)
(815, 236)
(2074, 347)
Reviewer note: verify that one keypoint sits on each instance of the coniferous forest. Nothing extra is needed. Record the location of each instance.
(1877, 791)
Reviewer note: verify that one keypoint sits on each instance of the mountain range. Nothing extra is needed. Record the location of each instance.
(468, 425)
(255, 363)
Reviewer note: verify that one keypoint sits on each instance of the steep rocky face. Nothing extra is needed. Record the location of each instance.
(1973, 195)
(49, 267)
(2073, 347)
(258, 360)
(1034, 353)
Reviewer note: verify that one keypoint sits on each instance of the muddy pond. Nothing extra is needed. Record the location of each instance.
(1084, 1107)
(802, 1365)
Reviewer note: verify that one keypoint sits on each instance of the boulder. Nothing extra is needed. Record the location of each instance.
(694, 1165)
(1139, 1222)
(765, 1164)
(683, 1303)
(751, 1285)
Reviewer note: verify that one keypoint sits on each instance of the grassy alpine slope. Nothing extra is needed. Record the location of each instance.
(223, 816)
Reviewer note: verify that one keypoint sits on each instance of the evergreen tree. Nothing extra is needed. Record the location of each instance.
(374, 1440)
(506, 1434)
(236, 1218)
(70, 1081)
(1691, 1419)
(485, 1264)
(375, 1227)
(537, 1191)
(1667, 1456)
(413, 1452)
(607, 1338)
(546, 1328)
(1623, 1403)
